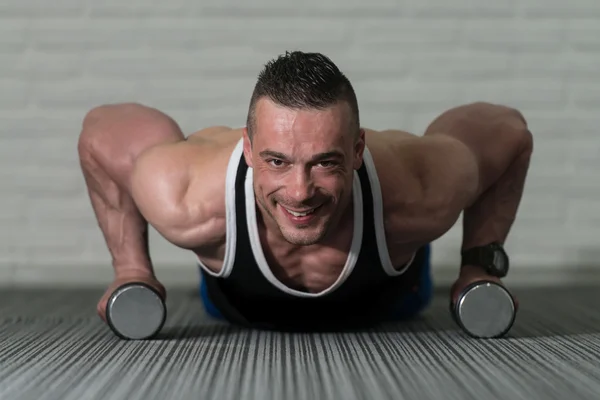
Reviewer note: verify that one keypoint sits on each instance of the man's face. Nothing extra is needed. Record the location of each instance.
(303, 162)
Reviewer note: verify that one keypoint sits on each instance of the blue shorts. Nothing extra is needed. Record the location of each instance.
(410, 304)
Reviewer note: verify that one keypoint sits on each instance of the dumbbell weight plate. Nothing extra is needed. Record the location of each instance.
(135, 311)
(485, 310)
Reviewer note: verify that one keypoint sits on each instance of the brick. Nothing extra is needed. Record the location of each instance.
(389, 64)
(37, 180)
(542, 64)
(533, 257)
(550, 155)
(174, 65)
(390, 94)
(13, 209)
(584, 36)
(561, 125)
(60, 273)
(526, 238)
(80, 36)
(463, 9)
(35, 66)
(49, 151)
(513, 35)
(184, 94)
(544, 212)
(7, 266)
(132, 10)
(584, 212)
(230, 8)
(231, 115)
(19, 129)
(10, 9)
(389, 35)
(584, 185)
(81, 95)
(585, 154)
(558, 10)
(19, 94)
(526, 94)
(43, 239)
(460, 65)
(69, 213)
(13, 40)
(311, 8)
(261, 32)
(580, 66)
(387, 119)
(585, 96)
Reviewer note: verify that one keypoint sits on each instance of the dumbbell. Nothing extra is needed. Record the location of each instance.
(484, 310)
(135, 311)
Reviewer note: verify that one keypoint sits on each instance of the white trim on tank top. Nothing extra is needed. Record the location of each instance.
(384, 254)
(230, 215)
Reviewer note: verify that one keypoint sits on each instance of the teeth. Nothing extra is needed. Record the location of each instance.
(297, 214)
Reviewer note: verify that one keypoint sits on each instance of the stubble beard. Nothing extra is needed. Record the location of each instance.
(299, 235)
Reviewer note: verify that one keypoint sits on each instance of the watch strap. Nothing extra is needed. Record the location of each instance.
(481, 255)
(478, 256)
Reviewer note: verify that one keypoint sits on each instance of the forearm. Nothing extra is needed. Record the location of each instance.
(490, 218)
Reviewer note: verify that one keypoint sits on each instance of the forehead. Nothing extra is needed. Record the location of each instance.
(275, 123)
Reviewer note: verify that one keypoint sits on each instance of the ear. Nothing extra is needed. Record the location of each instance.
(359, 149)
(247, 147)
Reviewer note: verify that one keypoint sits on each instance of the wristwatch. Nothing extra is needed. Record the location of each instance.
(492, 258)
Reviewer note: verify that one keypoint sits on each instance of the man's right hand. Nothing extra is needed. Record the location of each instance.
(124, 279)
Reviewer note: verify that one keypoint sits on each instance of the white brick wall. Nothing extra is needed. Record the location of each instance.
(197, 60)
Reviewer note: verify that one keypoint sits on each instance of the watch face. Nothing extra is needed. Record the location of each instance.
(500, 262)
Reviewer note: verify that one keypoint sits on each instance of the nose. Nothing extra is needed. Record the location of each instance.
(301, 187)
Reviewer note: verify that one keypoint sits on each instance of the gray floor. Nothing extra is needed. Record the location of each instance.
(52, 346)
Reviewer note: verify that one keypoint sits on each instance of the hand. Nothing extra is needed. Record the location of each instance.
(122, 279)
(470, 274)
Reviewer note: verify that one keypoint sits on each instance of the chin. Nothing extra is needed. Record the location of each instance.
(302, 238)
(305, 235)
(302, 234)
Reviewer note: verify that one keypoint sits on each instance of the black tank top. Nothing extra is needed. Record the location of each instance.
(247, 293)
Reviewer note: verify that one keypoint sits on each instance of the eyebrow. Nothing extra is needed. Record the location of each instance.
(316, 158)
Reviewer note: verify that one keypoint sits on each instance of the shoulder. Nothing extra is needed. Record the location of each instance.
(426, 182)
(191, 159)
(180, 187)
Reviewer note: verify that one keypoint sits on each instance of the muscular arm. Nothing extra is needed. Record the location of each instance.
(158, 186)
(173, 196)
(501, 144)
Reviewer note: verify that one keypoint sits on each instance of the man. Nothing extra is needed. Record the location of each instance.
(303, 218)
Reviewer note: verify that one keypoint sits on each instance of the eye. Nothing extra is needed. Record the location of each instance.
(275, 163)
(327, 164)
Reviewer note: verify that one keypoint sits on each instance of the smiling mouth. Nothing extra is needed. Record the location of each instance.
(301, 213)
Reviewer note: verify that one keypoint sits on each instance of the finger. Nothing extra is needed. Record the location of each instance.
(101, 313)
(454, 294)
(163, 292)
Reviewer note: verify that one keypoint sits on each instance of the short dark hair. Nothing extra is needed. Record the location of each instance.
(300, 80)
